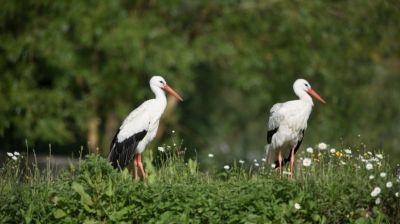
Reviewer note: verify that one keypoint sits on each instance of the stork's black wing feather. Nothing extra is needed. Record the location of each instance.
(271, 133)
(286, 160)
(121, 153)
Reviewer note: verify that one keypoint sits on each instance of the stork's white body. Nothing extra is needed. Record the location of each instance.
(145, 117)
(287, 123)
(290, 118)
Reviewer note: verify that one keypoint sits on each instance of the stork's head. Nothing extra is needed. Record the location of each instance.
(159, 82)
(301, 86)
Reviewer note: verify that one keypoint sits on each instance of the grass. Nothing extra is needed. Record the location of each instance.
(335, 188)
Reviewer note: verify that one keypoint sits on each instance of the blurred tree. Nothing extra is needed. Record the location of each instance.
(70, 71)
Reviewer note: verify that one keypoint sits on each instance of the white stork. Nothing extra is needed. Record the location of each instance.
(287, 123)
(139, 128)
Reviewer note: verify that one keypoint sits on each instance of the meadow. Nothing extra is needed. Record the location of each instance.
(346, 185)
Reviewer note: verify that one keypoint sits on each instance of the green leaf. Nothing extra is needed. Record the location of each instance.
(89, 221)
(316, 217)
(361, 221)
(117, 216)
(192, 166)
(58, 213)
(28, 214)
(78, 188)
(85, 198)
(125, 174)
(109, 191)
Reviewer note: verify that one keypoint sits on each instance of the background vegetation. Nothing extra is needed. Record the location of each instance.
(71, 71)
(334, 187)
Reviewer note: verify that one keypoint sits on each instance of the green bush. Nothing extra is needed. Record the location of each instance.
(335, 188)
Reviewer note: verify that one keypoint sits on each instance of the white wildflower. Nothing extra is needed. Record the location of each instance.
(297, 206)
(389, 184)
(383, 174)
(255, 160)
(241, 161)
(342, 162)
(379, 156)
(310, 150)
(173, 131)
(16, 154)
(256, 164)
(264, 160)
(14, 158)
(286, 173)
(10, 154)
(226, 167)
(371, 177)
(322, 146)
(273, 166)
(369, 166)
(161, 149)
(307, 162)
(369, 153)
(374, 159)
(378, 201)
(332, 150)
(348, 151)
(376, 192)
(210, 155)
(397, 194)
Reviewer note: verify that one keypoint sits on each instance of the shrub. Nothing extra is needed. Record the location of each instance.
(336, 187)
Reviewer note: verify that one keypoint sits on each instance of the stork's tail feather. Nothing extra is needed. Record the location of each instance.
(269, 154)
(113, 158)
(121, 153)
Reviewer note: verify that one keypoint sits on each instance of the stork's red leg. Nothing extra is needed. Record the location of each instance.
(291, 161)
(141, 165)
(280, 162)
(135, 166)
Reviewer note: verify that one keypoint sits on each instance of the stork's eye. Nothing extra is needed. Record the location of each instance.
(306, 84)
(161, 82)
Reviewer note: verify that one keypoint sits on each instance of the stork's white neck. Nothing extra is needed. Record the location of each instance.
(160, 94)
(303, 95)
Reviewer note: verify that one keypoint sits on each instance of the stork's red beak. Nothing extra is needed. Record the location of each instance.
(171, 91)
(314, 94)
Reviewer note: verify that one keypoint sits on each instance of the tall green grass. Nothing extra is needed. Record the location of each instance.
(335, 188)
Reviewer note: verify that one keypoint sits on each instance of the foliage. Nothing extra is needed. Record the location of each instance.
(335, 188)
(73, 69)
